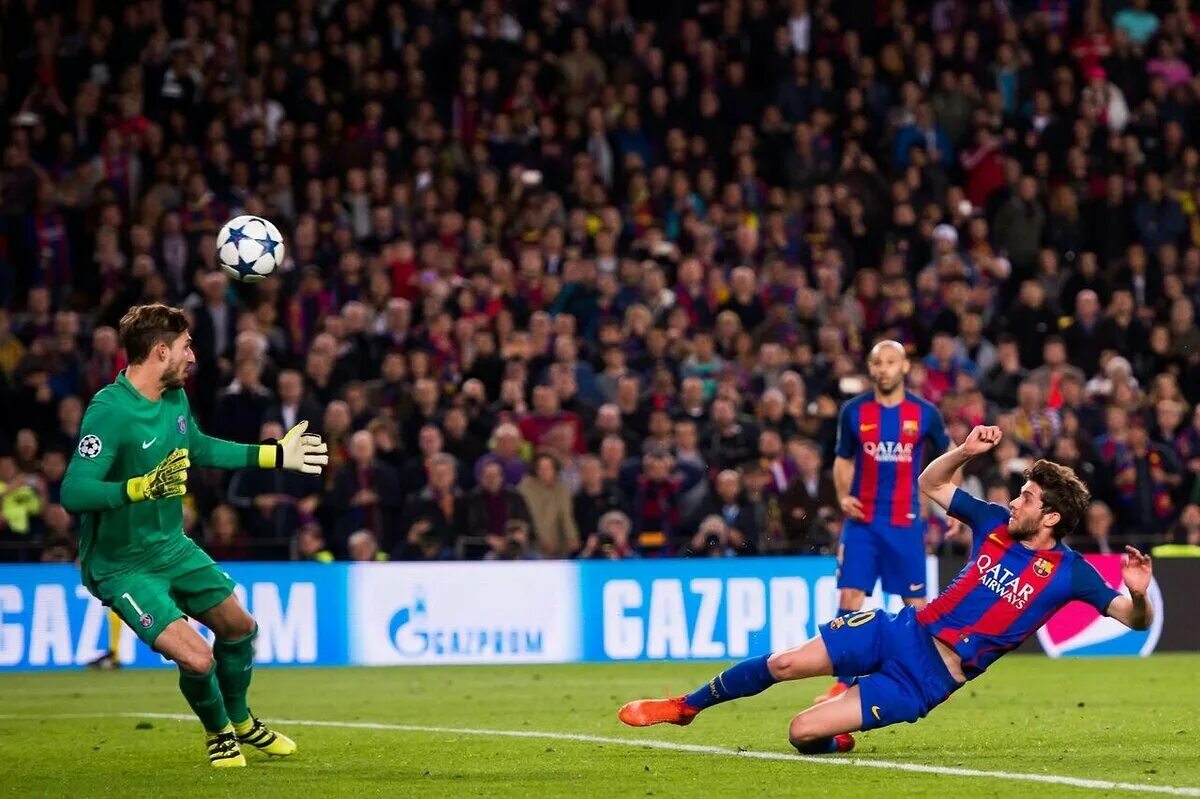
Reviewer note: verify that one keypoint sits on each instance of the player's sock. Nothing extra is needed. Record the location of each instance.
(827, 746)
(114, 634)
(235, 667)
(204, 695)
(743, 679)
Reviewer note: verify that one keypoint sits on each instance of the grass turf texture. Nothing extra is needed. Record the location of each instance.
(1125, 720)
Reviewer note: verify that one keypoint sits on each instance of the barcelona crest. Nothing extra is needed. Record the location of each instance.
(1042, 567)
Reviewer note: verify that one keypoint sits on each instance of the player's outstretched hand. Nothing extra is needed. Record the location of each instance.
(303, 452)
(982, 439)
(167, 479)
(1135, 570)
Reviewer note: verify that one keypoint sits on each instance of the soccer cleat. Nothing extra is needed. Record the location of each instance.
(835, 690)
(106, 662)
(644, 712)
(223, 749)
(254, 733)
(836, 744)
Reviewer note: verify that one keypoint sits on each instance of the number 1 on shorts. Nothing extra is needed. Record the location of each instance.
(132, 604)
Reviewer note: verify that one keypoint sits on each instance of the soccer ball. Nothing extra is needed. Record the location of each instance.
(249, 248)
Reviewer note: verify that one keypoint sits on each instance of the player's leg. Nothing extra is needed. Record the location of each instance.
(206, 593)
(111, 659)
(825, 727)
(902, 565)
(747, 678)
(199, 686)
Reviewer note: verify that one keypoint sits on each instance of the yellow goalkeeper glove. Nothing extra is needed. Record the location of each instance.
(167, 479)
(297, 451)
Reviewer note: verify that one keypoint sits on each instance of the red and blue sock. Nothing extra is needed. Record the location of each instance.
(747, 678)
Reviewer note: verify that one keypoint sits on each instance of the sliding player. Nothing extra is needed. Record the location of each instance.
(1019, 574)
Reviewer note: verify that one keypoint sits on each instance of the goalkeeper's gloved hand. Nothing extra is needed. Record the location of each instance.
(167, 479)
(297, 451)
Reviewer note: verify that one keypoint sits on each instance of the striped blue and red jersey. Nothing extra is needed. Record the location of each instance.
(887, 444)
(1007, 590)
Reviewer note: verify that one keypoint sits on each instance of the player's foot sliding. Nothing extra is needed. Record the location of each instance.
(252, 732)
(747, 678)
(223, 749)
(835, 744)
(644, 712)
(835, 690)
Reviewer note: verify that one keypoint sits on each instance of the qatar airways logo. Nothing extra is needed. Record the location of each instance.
(889, 451)
(1004, 582)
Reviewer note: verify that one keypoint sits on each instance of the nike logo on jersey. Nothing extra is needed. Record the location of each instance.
(995, 538)
(875, 712)
(916, 586)
(865, 427)
(146, 444)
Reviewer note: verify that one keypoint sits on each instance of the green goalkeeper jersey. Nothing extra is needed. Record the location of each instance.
(125, 435)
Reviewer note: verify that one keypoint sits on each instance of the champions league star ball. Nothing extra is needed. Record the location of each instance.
(249, 248)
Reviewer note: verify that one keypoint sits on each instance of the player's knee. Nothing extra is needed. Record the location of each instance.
(241, 626)
(198, 661)
(802, 730)
(784, 665)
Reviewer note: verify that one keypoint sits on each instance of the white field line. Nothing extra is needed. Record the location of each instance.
(669, 746)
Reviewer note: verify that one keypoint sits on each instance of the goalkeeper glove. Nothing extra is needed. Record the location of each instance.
(167, 479)
(297, 451)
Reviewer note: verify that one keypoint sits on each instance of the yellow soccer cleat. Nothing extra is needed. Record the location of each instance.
(223, 749)
(253, 732)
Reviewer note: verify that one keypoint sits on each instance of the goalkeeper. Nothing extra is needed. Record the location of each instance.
(126, 480)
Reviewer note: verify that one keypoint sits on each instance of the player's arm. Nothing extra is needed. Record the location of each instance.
(937, 480)
(298, 451)
(843, 465)
(1135, 610)
(86, 486)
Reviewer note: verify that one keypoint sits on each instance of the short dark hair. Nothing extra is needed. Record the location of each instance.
(145, 326)
(1062, 492)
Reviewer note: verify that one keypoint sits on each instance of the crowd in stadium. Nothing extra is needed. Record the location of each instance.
(572, 279)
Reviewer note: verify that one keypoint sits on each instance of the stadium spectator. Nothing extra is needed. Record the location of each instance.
(513, 544)
(492, 504)
(610, 541)
(808, 506)
(362, 545)
(549, 503)
(566, 218)
(365, 495)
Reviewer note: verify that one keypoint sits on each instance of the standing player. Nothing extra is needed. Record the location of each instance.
(1019, 574)
(126, 481)
(880, 451)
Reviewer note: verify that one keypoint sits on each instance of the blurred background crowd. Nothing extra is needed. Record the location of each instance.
(592, 279)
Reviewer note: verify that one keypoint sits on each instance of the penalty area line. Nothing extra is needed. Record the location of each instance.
(671, 746)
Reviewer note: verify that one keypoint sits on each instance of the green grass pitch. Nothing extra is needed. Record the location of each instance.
(1129, 721)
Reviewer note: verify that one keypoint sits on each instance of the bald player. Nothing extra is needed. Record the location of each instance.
(880, 452)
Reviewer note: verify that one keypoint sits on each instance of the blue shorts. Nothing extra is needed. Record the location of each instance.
(869, 552)
(903, 675)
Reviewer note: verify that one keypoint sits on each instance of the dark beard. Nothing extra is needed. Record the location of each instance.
(174, 381)
(1019, 534)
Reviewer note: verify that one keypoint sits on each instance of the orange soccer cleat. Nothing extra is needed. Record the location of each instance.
(644, 712)
(835, 690)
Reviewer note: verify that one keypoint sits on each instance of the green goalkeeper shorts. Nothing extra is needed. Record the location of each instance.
(150, 599)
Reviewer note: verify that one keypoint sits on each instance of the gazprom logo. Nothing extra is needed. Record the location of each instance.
(415, 632)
